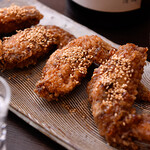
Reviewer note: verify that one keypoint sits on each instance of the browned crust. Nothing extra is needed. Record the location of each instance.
(16, 18)
(143, 128)
(112, 91)
(26, 47)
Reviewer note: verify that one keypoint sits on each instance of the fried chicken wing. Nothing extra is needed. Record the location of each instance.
(16, 18)
(66, 67)
(143, 92)
(26, 47)
(112, 92)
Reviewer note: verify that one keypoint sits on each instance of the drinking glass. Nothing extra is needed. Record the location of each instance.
(5, 95)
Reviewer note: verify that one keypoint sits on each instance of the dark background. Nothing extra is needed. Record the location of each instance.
(119, 28)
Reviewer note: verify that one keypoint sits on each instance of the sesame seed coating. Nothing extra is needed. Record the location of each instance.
(27, 46)
(16, 18)
(66, 67)
(112, 92)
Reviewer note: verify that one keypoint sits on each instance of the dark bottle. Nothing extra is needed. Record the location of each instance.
(107, 13)
(110, 6)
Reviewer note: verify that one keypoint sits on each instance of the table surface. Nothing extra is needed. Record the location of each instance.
(20, 135)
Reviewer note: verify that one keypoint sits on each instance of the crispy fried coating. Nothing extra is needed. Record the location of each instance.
(112, 92)
(26, 47)
(66, 67)
(143, 92)
(143, 128)
(16, 18)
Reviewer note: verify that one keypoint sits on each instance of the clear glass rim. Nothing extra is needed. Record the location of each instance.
(7, 88)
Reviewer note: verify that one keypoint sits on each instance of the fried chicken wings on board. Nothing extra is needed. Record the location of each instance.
(27, 46)
(112, 92)
(16, 18)
(67, 66)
